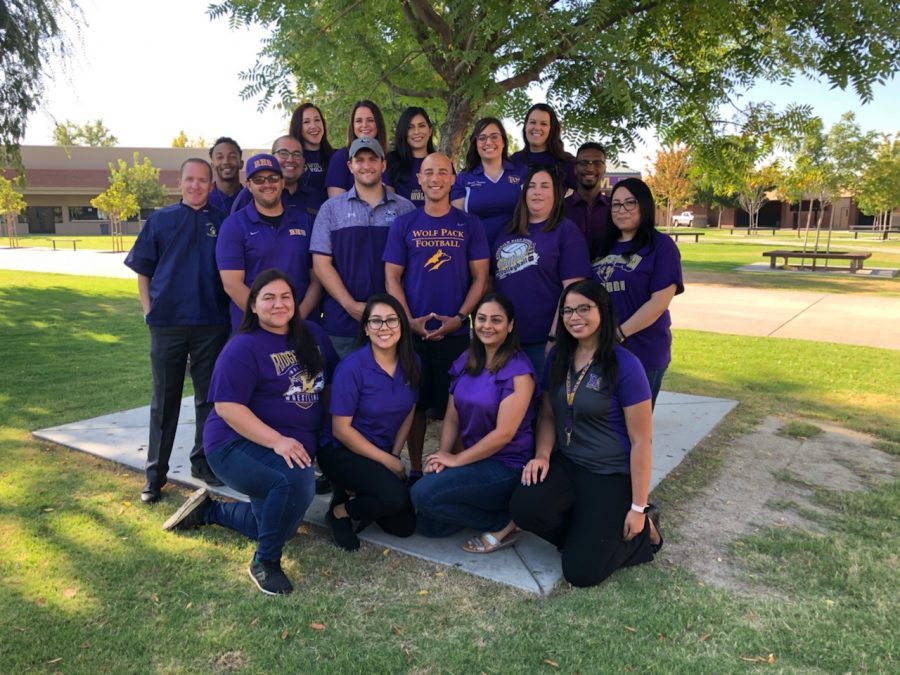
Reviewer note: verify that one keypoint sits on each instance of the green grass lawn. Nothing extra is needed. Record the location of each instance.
(89, 583)
(86, 241)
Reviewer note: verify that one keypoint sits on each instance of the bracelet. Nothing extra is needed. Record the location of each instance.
(640, 509)
(620, 336)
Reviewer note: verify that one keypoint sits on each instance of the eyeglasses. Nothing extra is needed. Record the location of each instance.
(262, 180)
(627, 205)
(585, 163)
(581, 310)
(484, 138)
(391, 322)
(284, 154)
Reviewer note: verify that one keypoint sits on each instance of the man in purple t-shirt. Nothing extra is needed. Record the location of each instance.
(436, 264)
(588, 207)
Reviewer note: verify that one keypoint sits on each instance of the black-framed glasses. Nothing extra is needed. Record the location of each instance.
(391, 322)
(626, 205)
(580, 310)
(262, 180)
(584, 163)
(484, 138)
(284, 154)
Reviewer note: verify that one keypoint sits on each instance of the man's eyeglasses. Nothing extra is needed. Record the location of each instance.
(627, 205)
(284, 154)
(391, 322)
(262, 180)
(585, 163)
(581, 310)
(484, 138)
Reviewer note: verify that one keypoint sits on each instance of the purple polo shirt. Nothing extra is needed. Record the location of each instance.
(377, 402)
(477, 400)
(435, 254)
(408, 185)
(528, 159)
(304, 198)
(529, 269)
(259, 370)
(492, 202)
(591, 220)
(353, 234)
(314, 174)
(222, 201)
(248, 243)
(630, 283)
(339, 175)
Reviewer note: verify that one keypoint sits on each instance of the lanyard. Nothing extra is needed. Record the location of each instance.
(570, 395)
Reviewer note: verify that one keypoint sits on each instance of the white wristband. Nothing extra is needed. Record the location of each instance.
(639, 509)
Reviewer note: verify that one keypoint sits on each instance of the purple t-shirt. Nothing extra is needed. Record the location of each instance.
(591, 220)
(477, 400)
(377, 402)
(339, 175)
(247, 242)
(259, 370)
(631, 282)
(600, 441)
(408, 185)
(492, 202)
(222, 201)
(354, 234)
(528, 159)
(529, 269)
(435, 254)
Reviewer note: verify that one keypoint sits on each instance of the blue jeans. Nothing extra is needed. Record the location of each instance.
(475, 495)
(279, 495)
(655, 378)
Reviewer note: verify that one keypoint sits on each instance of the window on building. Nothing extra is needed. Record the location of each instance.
(83, 213)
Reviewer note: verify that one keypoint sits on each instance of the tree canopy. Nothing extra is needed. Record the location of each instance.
(141, 179)
(91, 134)
(11, 201)
(611, 67)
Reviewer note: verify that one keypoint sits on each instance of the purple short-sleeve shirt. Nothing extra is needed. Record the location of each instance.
(493, 202)
(527, 158)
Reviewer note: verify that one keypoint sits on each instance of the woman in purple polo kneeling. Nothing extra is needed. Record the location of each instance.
(269, 389)
(491, 409)
(373, 401)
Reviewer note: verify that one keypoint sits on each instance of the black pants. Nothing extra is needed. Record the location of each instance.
(436, 359)
(380, 496)
(169, 350)
(583, 514)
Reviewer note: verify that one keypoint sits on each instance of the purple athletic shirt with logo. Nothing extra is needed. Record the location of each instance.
(435, 254)
(529, 269)
(314, 173)
(259, 370)
(528, 159)
(492, 202)
(631, 282)
(477, 400)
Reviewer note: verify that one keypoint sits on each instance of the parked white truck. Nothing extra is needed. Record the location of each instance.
(685, 218)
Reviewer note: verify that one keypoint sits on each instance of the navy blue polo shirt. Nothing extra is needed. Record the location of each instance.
(176, 248)
(222, 201)
(305, 198)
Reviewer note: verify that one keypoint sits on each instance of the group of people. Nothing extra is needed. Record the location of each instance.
(365, 292)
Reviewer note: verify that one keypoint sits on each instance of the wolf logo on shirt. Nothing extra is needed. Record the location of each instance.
(304, 390)
(604, 267)
(438, 259)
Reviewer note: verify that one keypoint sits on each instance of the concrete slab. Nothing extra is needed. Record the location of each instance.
(680, 421)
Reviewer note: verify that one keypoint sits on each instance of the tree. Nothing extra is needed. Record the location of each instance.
(141, 180)
(878, 191)
(118, 203)
(670, 180)
(610, 66)
(752, 195)
(31, 33)
(90, 134)
(182, 141)
(12, 203)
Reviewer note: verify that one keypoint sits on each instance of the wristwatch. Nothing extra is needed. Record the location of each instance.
(462, 319)
(640, 509)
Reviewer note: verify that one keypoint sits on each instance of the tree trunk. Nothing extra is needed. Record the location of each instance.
(806, 230)
(830, 228)
(455, 128)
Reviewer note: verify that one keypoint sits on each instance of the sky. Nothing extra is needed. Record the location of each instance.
(152, 69)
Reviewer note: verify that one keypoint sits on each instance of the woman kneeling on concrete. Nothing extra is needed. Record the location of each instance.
(373, 401)
(269, 389)
(491, 409)
(586, 489)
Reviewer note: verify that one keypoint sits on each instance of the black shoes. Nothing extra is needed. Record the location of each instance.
(205, 473)
(323, 485)
(341, 531)
(653, 515)
(151, 493)
(192, 513)
(268, 577)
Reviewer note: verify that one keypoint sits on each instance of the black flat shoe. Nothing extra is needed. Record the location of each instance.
(653, 515)
(342, 531)
(323, 485)
(151, 493)
(206, 474)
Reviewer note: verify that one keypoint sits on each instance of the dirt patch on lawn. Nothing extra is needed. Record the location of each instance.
(768, 480)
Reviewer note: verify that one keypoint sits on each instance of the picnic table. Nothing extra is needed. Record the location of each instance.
(74, 242)
(695, 235)
(856, 259)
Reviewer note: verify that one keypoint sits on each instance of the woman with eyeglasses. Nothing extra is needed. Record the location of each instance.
(586, 490)
(269, 386)
(373, 400)
(540, 253)
(490, 184)
(413, 142)
(365, 120)
(641, 269)
(491, 410)
(308, 126)
(542, 135)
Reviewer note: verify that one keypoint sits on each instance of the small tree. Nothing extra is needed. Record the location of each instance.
(119, 204)
(11, 205)
(670, 180)
(752, 193)
(141, 180)
(182, 141)
(91, 134)
(879, 186)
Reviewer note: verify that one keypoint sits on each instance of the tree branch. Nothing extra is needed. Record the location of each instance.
(430, 18)
(433, 55)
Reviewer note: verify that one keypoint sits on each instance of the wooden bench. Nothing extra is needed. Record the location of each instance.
(870, 229)
(695, 235)
(856, 259)
(74, 242)
(747, 230)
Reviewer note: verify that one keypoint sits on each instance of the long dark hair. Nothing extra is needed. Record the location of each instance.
(400, 159)
(646, 231)
(305, 347)
(477, 359)
(472, 158)
(380, 131)
(296, 130)
(406, 354)
(519, 222)
(555, 147)
(605, 355)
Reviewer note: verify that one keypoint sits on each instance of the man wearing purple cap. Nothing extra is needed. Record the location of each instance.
(348, 241)
(266, 234)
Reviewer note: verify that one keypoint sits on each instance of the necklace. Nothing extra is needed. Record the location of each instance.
(570, 395)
